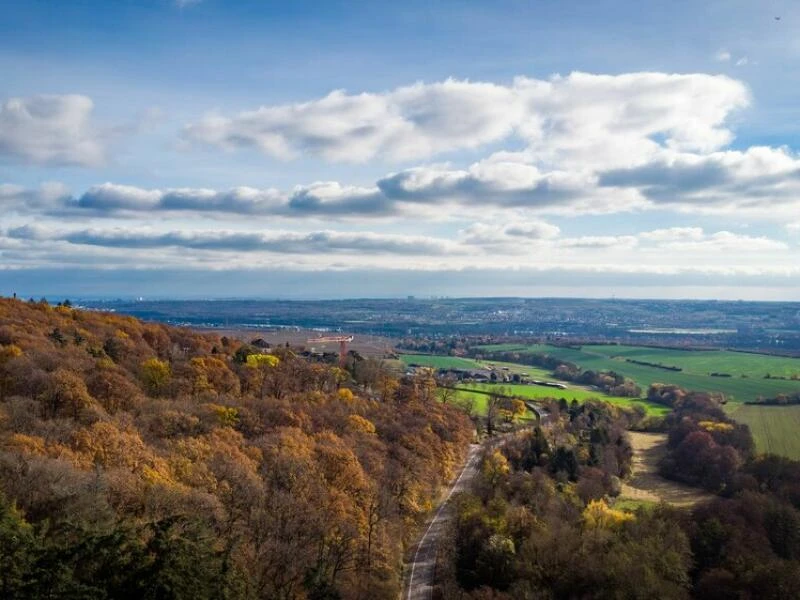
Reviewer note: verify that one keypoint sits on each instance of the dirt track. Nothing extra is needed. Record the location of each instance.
(646, 484)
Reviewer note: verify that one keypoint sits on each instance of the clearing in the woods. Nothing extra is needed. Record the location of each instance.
(645, 485)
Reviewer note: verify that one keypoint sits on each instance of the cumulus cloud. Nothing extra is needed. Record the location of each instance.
(561, 118)
(758, 178)
(764, 181)
(50, 130)
(407, 123)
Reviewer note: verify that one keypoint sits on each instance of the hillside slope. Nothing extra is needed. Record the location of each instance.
(143, 461)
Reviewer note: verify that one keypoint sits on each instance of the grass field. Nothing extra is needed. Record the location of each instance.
(537, 392)
(480, 403)
(747, 370)
(455, 362)
(439, 362)
(775, 429)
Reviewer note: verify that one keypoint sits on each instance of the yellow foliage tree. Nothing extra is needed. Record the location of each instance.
(9, 352)
(360, 424)
(262, 360)
(67, 391)
(712, 426)
(155, 375)
(346, 395)
(598, 515)
(495, 467)
(226, 416)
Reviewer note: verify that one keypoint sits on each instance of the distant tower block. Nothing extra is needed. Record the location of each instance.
(342, 340)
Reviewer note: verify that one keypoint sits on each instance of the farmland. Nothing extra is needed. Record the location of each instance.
(535, 392)
(440, 362)
(774, 428)
(455, 362)
(747, 372)
(477, 391)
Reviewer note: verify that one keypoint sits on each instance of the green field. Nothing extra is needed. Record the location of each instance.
(480, 402)
(538, 392)
(455, 362)
(748, 370)
(775, 428)
(531, 392)
(439, 362)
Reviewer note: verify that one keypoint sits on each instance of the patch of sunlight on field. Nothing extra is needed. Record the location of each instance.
(537, 392)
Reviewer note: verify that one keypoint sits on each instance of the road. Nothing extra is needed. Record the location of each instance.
(423, 569)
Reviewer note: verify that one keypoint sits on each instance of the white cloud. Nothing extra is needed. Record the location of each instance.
(724, 241)
(578, 119)
(411, 122)
(512, 236)
(760, 179)
(51, 130)
(281, 242)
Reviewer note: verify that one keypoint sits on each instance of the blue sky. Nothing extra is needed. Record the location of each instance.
(548, 147)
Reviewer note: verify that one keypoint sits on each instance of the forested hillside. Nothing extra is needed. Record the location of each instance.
(143, 461)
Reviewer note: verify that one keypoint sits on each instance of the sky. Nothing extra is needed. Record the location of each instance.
(208, 148)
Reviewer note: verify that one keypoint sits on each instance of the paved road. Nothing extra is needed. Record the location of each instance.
(420, 582)
(423, 569)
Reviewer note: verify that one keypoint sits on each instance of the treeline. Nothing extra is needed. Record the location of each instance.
(530, 529)
(144, 461)
(779, 400)
(645, 363)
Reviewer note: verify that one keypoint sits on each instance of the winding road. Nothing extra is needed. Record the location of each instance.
(423, 569)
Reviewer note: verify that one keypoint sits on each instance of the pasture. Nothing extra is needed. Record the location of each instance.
(748, 371)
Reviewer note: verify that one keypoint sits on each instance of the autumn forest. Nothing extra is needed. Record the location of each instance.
(142, 461)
